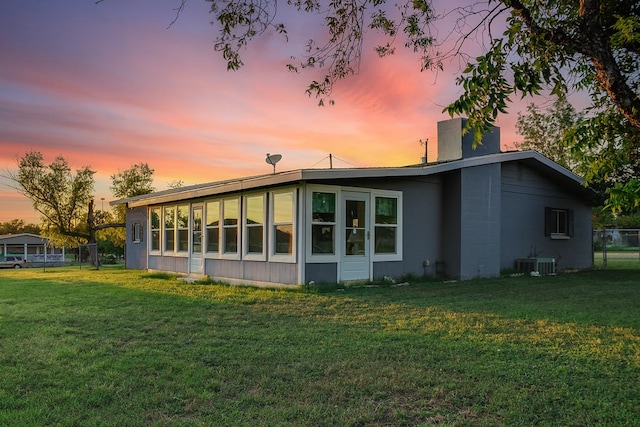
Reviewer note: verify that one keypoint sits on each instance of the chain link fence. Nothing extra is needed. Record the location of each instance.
(613, 245)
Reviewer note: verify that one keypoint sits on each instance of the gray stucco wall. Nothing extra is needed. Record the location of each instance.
(525, 193)
(480, 212)
(451, 224)
(422, 233)
(136, 252)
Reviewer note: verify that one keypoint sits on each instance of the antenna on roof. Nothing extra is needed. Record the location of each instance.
(272, 159)
(425, 159)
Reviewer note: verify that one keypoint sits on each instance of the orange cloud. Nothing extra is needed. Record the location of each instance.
(108, 87)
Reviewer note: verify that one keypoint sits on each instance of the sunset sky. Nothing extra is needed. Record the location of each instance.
(110, 85)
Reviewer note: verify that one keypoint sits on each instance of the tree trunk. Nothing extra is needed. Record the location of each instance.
(93, 246)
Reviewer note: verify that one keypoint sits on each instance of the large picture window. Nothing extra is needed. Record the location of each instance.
(213, 226)
(283, 226)
(323, 223)
(183, 228)
(254, 217)
(169, 228)
(230, 226)
(154, 220)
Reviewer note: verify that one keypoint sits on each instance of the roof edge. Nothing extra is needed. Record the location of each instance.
(290, 177)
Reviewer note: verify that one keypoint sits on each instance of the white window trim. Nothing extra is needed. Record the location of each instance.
(273, 256)
(254, 256)
(337, 190)
(238, 253)
(323, 258)
(183, 252)
(163, 242)
(151, 230)
(206, 253)
(399, 226)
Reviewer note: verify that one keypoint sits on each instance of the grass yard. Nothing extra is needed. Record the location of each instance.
(129, 348)
(617, 260)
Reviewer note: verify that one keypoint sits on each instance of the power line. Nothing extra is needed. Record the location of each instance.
(331, 157)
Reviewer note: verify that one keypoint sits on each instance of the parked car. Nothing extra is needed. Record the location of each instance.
(13, 261)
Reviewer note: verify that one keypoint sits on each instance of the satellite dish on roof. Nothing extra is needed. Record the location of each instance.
(272, 159)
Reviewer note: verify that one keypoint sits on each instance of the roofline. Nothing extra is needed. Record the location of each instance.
(290, 177)
(7, 236)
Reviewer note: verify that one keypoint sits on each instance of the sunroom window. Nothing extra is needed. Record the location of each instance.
(183, 228)
(230, 226)
(213, 226)
(155, 228)
(254, 225)
(323, 223)
(169, 228)
(282, 226)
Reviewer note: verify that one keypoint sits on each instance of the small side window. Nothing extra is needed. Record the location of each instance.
(136, 232)
(558, 223)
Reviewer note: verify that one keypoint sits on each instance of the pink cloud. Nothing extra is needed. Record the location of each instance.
(109, 88)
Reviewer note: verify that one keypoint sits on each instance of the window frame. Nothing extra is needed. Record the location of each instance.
(223, 227)
(272, 224)
(246, 255)
(183, 229)
(386, 256)
(136, 232)
(160, 240)
(323, 258)
(552, 223)
(207, 252)
(165, 209)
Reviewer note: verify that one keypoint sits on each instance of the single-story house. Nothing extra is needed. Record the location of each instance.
(32, 247)
(475, 212)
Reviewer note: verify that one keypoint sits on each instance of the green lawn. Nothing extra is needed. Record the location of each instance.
(617, 260)
(127, 348)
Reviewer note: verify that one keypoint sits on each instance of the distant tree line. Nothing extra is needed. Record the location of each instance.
(65, 201)
(18, 226)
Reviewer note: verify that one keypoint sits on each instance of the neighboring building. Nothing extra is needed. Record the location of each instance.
(31, 247)
(471, 214)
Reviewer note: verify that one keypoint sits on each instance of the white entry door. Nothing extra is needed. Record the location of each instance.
(355, 263)
(196, 262)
